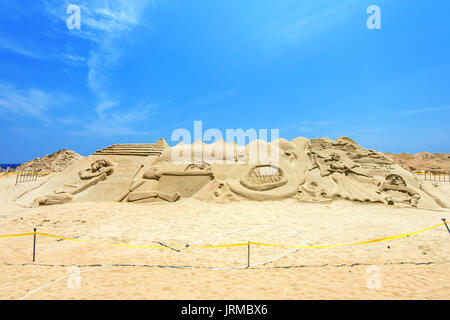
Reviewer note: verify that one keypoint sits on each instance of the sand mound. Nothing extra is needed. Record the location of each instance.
(55, 162)
(422, 161)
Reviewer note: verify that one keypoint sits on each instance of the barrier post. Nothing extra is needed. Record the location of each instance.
(248, 255)
(34, 245)
(446, 225)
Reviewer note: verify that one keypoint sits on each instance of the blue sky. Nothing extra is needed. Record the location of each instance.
(139, 69)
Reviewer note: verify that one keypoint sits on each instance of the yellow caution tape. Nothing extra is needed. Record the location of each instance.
(17, 235)
(225, 245)
(349, 244)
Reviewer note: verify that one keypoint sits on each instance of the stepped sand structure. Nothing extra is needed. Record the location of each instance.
(317, 170)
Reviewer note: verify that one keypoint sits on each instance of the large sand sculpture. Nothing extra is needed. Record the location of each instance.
(317, 170)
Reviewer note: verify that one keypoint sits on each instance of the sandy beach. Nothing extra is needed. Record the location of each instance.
(413, 267)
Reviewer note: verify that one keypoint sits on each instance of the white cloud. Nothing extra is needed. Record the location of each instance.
(73, 59)
(33, 103)
(104, 106)
(18, 48)
(302, 21)
(117, 123)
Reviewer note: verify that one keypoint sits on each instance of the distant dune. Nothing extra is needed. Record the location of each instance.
(422, 160)
(55, 162)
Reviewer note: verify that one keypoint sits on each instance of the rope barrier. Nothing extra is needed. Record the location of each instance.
(224, 245)
(141, 247)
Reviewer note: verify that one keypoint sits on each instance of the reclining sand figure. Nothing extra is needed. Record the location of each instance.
(97, 168)
(398, 192)
(52, 199)
(98, 171)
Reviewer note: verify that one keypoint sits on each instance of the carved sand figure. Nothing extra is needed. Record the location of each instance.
(335, 175)
(147, 190)
(216, 191)
(333, 163)
(202, 166)
(98, 167)
(397, 191)
(52, 199)
(97, 172)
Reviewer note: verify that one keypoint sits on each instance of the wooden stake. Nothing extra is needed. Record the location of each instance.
(248, 255)
(446, 225)
(34, 245)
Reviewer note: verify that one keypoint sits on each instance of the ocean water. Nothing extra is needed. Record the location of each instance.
(9, 165)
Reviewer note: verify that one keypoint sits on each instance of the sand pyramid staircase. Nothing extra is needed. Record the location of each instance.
(135, 149)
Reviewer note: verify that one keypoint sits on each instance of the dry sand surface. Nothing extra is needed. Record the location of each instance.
(414, 267)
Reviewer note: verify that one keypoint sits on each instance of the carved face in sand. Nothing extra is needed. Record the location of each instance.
(154, 173)
(335, 157)
(203, 166)
(97, 165)
(395, 180)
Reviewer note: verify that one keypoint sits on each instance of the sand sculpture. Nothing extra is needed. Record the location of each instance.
(97, 172)
(55, 162)
(317, 170)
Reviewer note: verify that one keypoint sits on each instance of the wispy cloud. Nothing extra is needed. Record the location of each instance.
(29, 49)
(73, 59)
(113, 122)
(34, 103)
(18, 48)
(304, 20)
(424, 110)
(106, 26)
